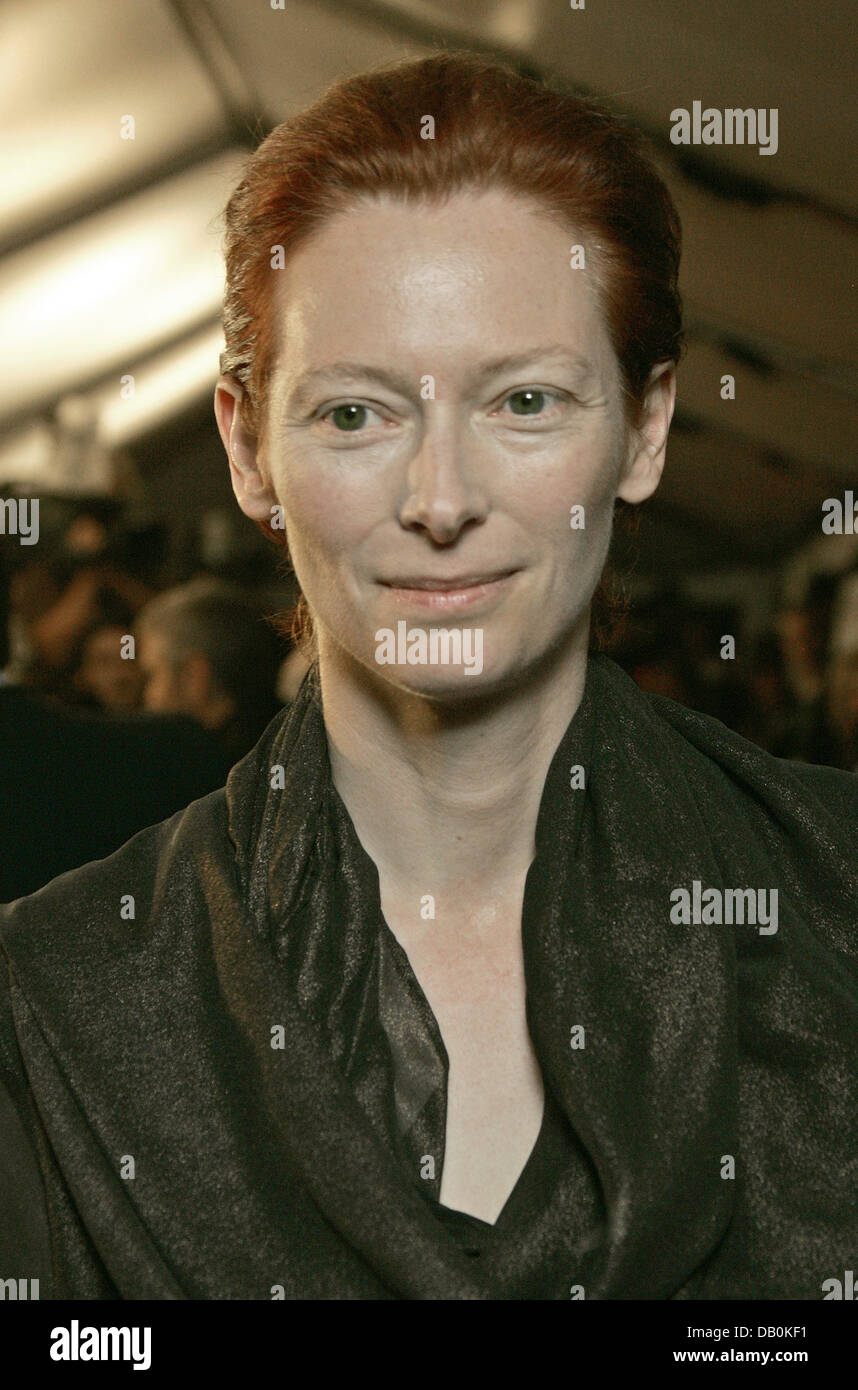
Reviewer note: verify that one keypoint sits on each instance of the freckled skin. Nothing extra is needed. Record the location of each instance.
(442, 771)
(465, 481)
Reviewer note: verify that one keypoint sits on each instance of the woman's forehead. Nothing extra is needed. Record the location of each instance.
(394, 282)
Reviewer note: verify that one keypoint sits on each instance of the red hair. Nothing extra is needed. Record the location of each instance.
(580, 164)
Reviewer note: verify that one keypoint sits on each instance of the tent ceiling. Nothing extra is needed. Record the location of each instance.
(110, 247)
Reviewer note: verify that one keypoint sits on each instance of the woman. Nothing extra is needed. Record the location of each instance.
(487, 975)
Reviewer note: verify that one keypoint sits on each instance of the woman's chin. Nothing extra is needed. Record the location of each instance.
(454, 684)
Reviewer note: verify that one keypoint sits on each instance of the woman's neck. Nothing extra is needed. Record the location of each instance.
(445, 799)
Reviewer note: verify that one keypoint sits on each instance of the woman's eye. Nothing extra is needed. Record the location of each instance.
(349, 418)
(532, 401)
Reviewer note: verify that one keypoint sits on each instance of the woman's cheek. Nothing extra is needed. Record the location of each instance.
(578, 504)
(309, 513)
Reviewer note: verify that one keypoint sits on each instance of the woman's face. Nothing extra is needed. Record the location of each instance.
(477, 432)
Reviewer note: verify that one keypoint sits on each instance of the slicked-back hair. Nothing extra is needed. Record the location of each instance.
(493, 129)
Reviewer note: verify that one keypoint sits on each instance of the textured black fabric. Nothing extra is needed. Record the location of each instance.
(555, 1151)
(256, 908)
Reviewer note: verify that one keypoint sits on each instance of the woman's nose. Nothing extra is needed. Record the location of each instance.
(444, 488)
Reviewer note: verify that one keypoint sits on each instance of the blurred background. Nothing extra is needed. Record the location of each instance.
(124, 129)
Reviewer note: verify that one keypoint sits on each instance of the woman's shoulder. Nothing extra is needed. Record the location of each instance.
(25, 1251)
(834, 786)
(115, 956)
(734, 808)
(93, 910)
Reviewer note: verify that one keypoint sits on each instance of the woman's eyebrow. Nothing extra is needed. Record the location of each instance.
(344, 372)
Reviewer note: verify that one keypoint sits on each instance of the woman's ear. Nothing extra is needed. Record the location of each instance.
(647, 443)
(253, 492)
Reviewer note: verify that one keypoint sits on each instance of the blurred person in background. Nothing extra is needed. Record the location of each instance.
(206, 650)
(81, 577)
(105, 677)
(839, 701)
(803, 630)
(770, 705)
(818, 640)
(75, 785)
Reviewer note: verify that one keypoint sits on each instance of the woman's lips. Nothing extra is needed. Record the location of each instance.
(449, 596)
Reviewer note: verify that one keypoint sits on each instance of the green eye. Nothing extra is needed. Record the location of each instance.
(529, 397)
(351, 417)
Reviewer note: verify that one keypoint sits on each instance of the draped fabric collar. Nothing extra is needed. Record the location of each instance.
(652, 1091)
(259, 913)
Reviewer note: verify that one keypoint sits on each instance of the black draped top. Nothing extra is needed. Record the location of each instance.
(220, 1079)
(555, 1153)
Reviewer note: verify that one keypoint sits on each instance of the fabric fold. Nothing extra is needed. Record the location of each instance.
(254, 1038)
